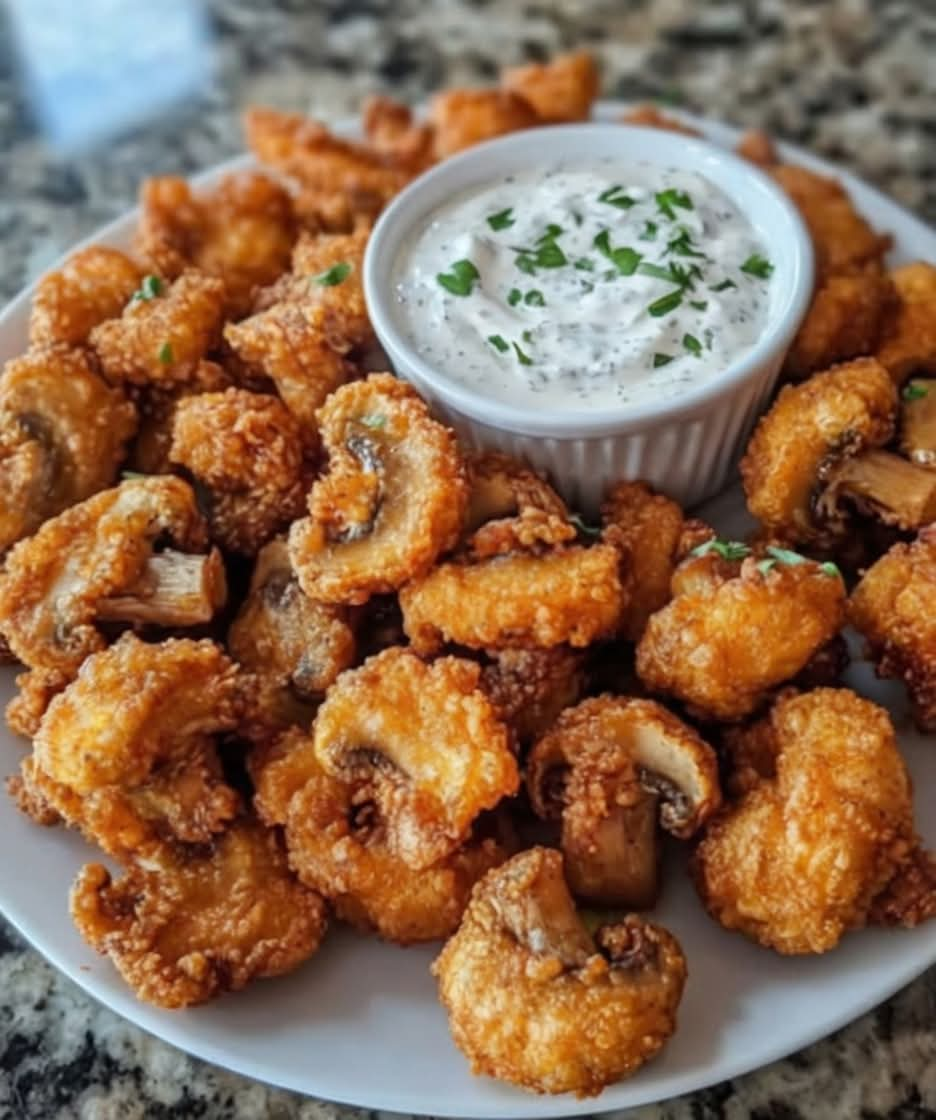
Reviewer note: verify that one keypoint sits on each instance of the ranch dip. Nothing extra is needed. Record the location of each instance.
(584, 287)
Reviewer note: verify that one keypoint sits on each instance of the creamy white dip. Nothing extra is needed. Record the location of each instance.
(565, 287)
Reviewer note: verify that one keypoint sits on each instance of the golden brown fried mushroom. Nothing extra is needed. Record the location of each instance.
(608, 770)
(560, 90)
(533, 999)
(505, 487)
(92, 285)
(530, 687)
(568, 595)
(757, 147)
(908, 345)
(99, 561)
(817, 450)
(62, 437)
(421, 743)
(245, 452)
(162, 339)
(892, 607)
(199, 923)
(338, 845)
(801, 857)
(651, 116)
(293, 647)
(918, 422)
(392, 131)
(240, 231)
(126, 753)
(393, 499)
(463, 117)
(721, 646)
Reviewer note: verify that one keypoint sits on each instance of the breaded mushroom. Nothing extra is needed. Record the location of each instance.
(530, 687)
(461, 118)
(908, 344)
(533, 999)
(200, 921)
(561, 90)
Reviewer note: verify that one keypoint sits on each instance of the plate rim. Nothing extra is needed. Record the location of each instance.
(123, 1003)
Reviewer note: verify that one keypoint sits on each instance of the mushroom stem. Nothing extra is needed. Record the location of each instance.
(897, 492)
(613, 861)
(918, 423)
(174, 589)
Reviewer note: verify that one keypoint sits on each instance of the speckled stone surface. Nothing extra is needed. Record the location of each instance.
(852, 79)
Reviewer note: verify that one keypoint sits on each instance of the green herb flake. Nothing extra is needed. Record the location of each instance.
(727, 550)
(549, 255)
(333, 276)
(723, 286)
(499, 343)
(503, 219)
(661, 360)
(914, 391)
(534, 298)
(665, 304)
(649, 231)
(522, 358)
(624, 259)
(758, 266)
(527, 337)
(583, 264)
(682, 245)
(785, 555)
(615, 196)
(526, 264)
(764, 566)
(460, 279)
(150, 287)
(165, 354)
(373, 420)
(667, 201)
(657, 271)
(698, 304)
(830, 569)
(583, 527)
(514, 296)
(131, 476)
(692, 344)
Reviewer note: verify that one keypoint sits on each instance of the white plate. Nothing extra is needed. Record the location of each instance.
(360, 1023)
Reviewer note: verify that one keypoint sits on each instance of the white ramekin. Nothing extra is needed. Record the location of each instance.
(684, 447)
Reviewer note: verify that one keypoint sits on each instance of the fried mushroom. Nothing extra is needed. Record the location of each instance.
(561, 90)
(918, 422)
(608, 771)
(530, 687)
(502, 487)
(534, 1000)
(817, 452)
(201, 922)
(908, 345)
(461, 118)
(63, 433)
(244, 452)
(392, 501)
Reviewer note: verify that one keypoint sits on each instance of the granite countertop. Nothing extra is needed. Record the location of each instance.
(852, 79)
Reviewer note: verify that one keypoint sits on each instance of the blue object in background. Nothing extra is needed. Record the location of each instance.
(93, 68)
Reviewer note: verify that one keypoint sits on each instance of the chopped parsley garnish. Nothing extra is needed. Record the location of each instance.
(526, 264)
(337, 274)
(547, 253)
(649, 231)
(460, 279)
(534, 298)
(686, 274)
(727, 550)
(758, 266)
(667, 200)
(698, 304)
(165, 354)
(624, 259)
(499, 343)
(503, 219)
(583, 527)
(373, 420)
(514, 296)
(658, 271)
(150, 287)
(692, 344)
(665, 304)
(830, 569)
(914, 391)
(661, 360)
(527, 336)
(583, 264)
(615, 196)
(785, 555)
(723, 286)
(682, 245)
(523, 359)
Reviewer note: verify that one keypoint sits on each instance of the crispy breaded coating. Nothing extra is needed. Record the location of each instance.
(844, 410)
(63, 433)
(560, 90)
(534, 1000)
(504, 487)
(392, 130)
(909, 899)
(36, 690)
(241, 231)
(126, 752)
(392, 501)
(422, 743)
(722, 649)
(908, 345)
(651, 116)
(96, 562)
(292, 647)
(200, 922)
(162, 339)
(649, 531)
(567, 595)
(892, 607)
(337, 844)
(246, 451)
(462, 118)
(530, 687)
(92, 285)
(800, 858)
(757, 147)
